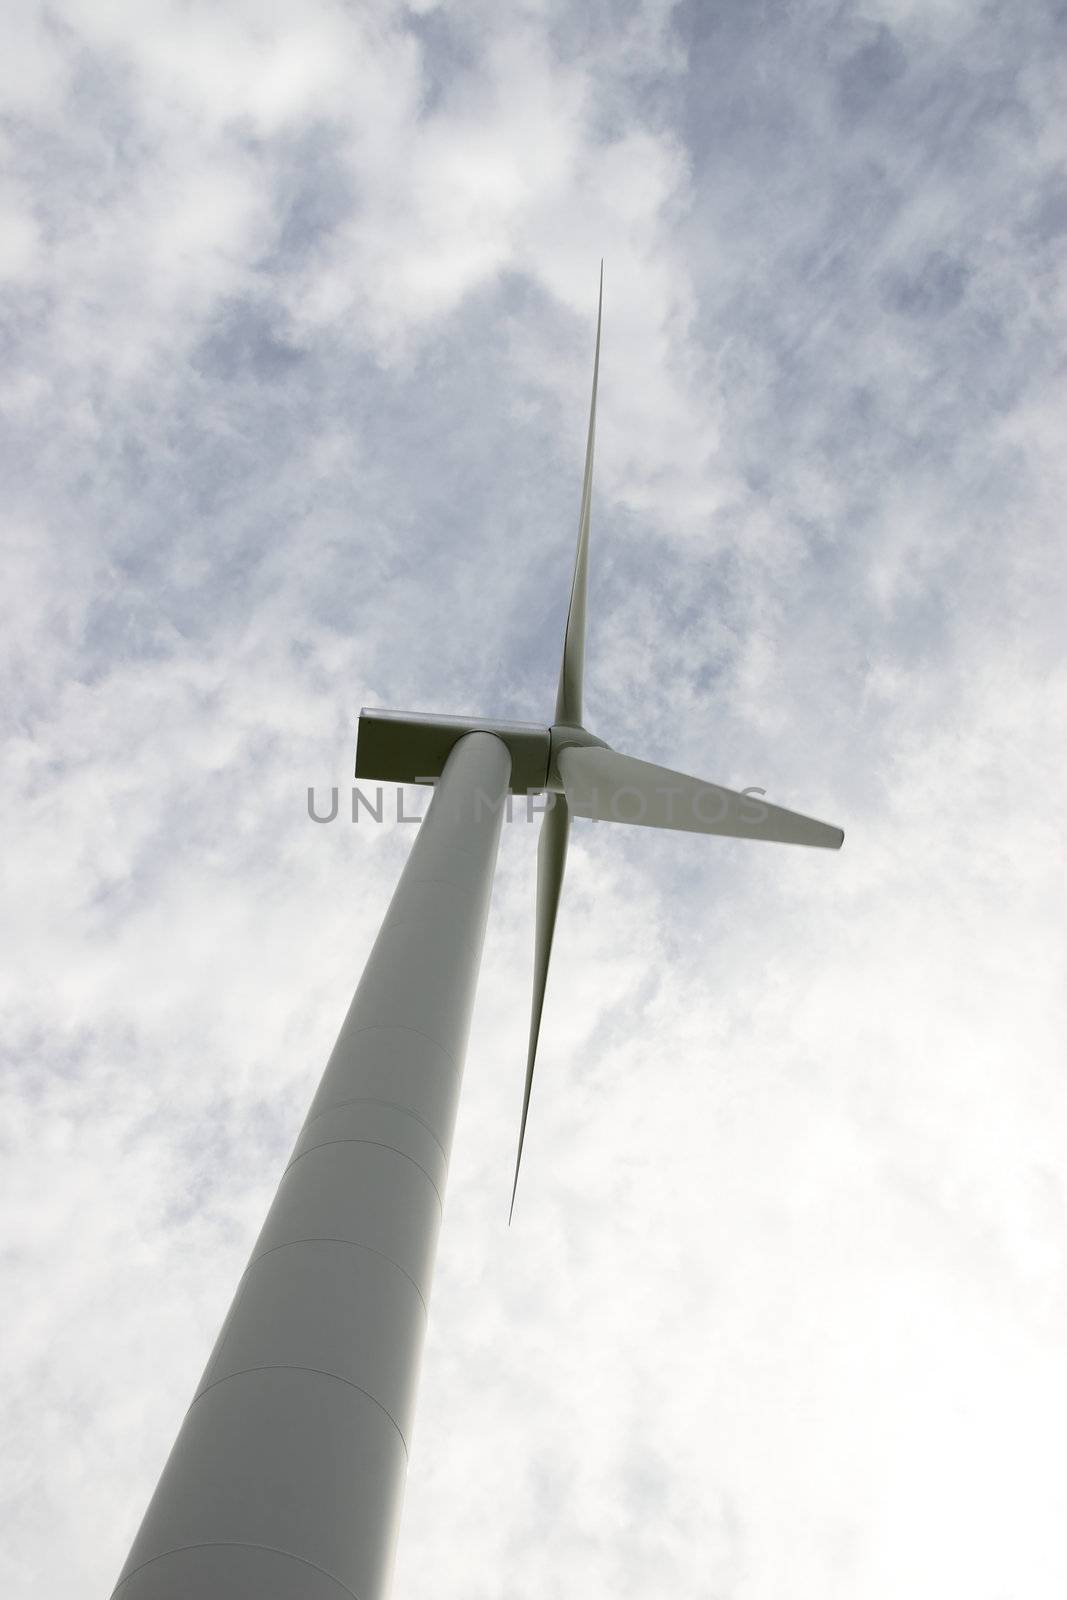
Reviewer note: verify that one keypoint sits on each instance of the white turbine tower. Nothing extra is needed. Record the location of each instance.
(286, 1479)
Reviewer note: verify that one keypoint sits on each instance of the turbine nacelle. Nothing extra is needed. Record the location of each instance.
(413, 746)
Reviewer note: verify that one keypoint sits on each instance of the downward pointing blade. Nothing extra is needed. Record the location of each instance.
(551, 860)
(569, 698)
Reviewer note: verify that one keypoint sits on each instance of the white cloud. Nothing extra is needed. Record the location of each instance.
(301, 324)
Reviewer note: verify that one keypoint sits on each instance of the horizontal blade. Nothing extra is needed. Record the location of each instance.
(569, 697)
(610, 787)
(551, 860)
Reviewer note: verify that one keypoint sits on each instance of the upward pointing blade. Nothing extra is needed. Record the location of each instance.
(569, 698)
(551, 860)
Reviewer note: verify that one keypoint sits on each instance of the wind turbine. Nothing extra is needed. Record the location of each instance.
(286, 1479)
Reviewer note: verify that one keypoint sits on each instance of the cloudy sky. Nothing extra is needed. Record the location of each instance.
(298, 309)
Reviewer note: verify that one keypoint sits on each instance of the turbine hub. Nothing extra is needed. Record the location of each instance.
(563, 736)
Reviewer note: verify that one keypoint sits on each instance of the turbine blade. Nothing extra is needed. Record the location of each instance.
(569, 697)
(551, 860)
(610, 787)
